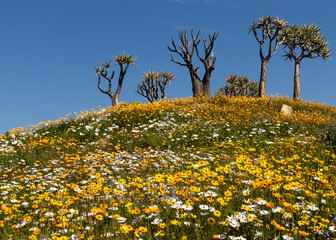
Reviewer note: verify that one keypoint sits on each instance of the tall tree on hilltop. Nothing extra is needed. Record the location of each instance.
(199, 86)
(123, 60)
(303, 42)
(271, 29)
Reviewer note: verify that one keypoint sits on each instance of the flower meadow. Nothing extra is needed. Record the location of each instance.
(206, 168)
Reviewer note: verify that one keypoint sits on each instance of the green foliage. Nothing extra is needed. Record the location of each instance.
(239, 86)
(124, 58)
(304, 42)
(328, 133)
(269, 26)
(152, 140)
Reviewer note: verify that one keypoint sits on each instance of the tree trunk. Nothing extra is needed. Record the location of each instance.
(297, 92)
(197, 85)
(197, 88)
(262, 82)
(115, 98)
(206, 84)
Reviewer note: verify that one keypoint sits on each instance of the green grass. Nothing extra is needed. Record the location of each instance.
(206, 168)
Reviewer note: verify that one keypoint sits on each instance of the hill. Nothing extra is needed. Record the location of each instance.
(206, 168)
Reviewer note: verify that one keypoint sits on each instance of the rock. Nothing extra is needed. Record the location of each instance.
(286, 110)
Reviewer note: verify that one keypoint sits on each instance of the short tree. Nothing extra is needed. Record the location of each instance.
(271, 29)
(303, 42)
(199, 86)
(239, 86)
(123, 60)
(154, 84)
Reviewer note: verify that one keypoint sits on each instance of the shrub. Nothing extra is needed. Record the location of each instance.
(329, 134)
(239, 86)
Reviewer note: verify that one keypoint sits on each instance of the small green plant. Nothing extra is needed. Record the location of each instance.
(239, 86)
(329, 134)
(152, 140)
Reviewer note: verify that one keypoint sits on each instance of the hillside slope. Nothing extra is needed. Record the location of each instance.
(207, 168)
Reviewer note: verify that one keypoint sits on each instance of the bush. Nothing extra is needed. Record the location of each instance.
(239, 86)
(329, 134)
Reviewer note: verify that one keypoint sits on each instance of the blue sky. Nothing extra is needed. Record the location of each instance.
(48, 50)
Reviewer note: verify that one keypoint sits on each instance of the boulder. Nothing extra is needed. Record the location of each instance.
(286, 110)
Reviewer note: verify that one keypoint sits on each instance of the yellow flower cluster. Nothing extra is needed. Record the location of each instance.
(219, 167)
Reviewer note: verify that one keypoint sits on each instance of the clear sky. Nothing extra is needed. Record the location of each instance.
(48, 49)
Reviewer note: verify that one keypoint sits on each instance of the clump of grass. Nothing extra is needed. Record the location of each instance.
(206, 168)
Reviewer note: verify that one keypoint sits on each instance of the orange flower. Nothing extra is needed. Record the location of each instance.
(147, 211)
(270, 205)
(303, 233)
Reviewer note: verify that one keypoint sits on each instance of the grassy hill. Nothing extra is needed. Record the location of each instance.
(207, 168)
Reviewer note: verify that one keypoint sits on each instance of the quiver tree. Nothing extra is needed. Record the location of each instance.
(239, 86)
(303, 42)
(123, 60)
(186, 52)
(154, 84)
(270, 28)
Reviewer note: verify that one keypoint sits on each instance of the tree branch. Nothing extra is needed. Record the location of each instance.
(108, 79)
(260, 51)
(173, 60)
(208, 50)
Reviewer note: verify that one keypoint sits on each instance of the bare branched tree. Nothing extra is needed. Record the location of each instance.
(199, 86)
(271, 29)
(154, 84)
(123, 60)
(303, 42)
